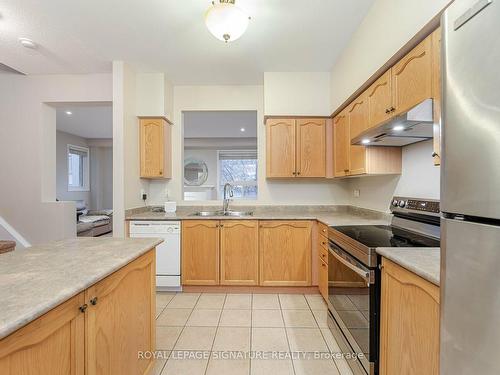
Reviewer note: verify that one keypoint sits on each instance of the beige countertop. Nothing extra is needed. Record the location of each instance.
(329, 215)
(37, 279)
(423, 261)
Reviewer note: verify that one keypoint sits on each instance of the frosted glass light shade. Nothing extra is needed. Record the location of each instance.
(226, 21)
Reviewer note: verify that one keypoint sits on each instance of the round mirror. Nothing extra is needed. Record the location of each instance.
(195, 172)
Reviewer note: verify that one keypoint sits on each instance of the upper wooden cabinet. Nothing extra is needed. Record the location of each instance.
(239, 252)
(436, 93)
(379, 98)
(285, 253)
(155, 147)
(311, 147)
(200, 252)
(341, 144)
(409, 323)
(295, 148)
(352, 160)
(412, 78)
(409, 82)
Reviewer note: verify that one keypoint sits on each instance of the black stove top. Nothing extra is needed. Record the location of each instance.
(374, 236)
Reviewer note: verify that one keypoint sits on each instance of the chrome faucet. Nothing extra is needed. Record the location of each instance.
(228, 192)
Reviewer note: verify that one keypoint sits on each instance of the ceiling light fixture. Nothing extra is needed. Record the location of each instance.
(398, 128)
(69, 113)
(226, 21)
(242, 129)
(28, 43)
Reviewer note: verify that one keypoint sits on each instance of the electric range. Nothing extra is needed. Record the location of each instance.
(354, 274)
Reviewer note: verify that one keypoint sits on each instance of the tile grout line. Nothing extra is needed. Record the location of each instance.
(286, 334)
(215, 336)
(178, 337)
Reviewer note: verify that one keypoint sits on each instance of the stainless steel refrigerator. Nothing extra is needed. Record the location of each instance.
(470, 189)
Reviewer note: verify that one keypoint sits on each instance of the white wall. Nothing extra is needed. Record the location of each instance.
(64, 139)
(227, 98)
(387, 27)
(297, 93)
(419, 179)
(28, 150)
(101, 177)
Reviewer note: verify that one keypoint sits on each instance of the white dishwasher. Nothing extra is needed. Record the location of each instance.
(168, 253)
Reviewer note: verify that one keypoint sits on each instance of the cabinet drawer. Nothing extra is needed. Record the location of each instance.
(323, 254)
(323, 229)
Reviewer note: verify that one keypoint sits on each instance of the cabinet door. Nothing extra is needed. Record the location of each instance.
(436, 93)
(151, 141)
(121, 323)
(341, 141)
(358, 122)
(409, 326)
(285, 253)
(311, 148)
(379, 99)
(412, 78)
(323, 279)
(53, 344)
(239, 252)
(200, 252)
(280, 150)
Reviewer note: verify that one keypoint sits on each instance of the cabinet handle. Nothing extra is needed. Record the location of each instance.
(294, 173)
(161, 172)
(393, 109)
(323, 265)
(298, 173)
(434, 154)
(323, 243)
(346, 170)
(387, 111)
(83, 307)
(221, 225)
(93, 301)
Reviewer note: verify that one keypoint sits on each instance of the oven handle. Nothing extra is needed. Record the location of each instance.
(361, 272)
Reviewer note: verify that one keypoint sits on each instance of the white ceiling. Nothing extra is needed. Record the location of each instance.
(84, 36)
(87, 121)
(220, 124)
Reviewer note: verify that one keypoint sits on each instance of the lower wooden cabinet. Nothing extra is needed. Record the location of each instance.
(200, 252)
(239, 252)
(52, 344)
(323, 279)
(409, 326)
(285, 253)
(82, 337)
(122, 322)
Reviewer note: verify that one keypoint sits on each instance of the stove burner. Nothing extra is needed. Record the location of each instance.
(374, 236)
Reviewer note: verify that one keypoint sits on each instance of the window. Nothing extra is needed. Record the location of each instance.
(78, 168)
(239, 168)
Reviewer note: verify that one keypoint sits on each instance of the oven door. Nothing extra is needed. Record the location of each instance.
(353, 303)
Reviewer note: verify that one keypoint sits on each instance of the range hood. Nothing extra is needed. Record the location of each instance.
(411, 127)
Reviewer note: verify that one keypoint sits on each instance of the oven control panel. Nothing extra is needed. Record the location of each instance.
(428, 206)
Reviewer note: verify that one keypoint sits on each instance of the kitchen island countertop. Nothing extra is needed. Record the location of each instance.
(37, 279)
(423, 261)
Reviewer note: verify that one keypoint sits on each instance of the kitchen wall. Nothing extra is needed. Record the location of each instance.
(28, 152)
(101, 176)
(64, 139)
(227, 98)
(297, 93)
(387, 27)
(419, 179)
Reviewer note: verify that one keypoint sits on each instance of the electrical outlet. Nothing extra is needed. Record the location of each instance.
(144, 196)
(356, 193)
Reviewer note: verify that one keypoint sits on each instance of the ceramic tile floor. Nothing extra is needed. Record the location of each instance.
(194, 329)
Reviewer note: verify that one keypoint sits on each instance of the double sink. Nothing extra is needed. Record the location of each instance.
(223, 213)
